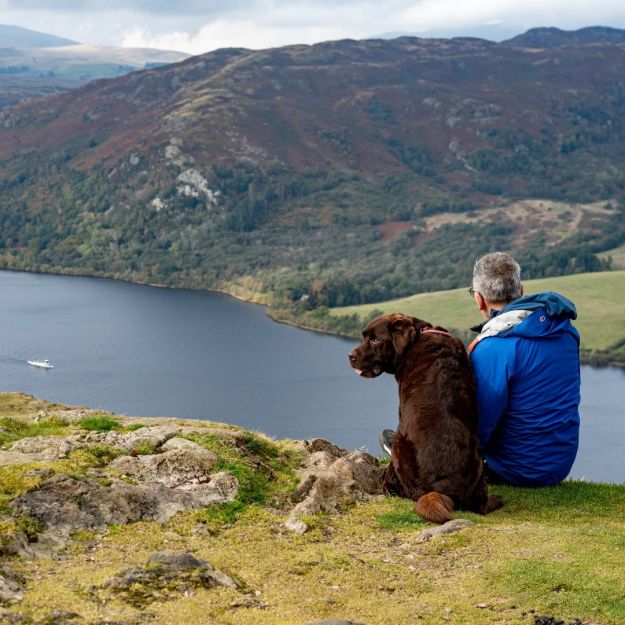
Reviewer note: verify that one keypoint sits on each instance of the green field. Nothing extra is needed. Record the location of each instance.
(599, 298)
(617, 255)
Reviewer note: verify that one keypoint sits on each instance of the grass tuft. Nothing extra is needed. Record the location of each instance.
(12, 430)
(100, 423)
(265, 469)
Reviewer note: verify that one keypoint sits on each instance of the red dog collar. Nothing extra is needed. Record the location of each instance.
(433, 331)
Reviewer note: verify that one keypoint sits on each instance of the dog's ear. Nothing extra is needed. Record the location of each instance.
(403, 333)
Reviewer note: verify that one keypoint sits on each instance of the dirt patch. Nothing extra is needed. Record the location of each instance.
(392, 229)
(557, 220)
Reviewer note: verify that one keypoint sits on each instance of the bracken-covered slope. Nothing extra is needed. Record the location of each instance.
(330, 174)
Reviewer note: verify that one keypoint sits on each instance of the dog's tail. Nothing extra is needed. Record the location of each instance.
(435, 507)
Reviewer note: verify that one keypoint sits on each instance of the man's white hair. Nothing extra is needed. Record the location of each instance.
(497, 278)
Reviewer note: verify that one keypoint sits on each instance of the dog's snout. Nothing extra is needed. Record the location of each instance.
(352, 356)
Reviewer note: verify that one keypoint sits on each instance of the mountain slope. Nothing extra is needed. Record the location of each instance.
(556, 38)
(35, 64)
(18, 37)
(332, 174)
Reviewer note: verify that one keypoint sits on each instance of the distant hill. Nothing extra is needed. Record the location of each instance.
(35, 64)
(599, 298)
(556, 38)
(340, 173)
(18, 37)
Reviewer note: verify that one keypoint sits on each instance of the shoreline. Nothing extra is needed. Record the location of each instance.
(269, 312)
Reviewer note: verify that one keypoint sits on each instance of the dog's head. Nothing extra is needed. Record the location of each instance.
(384, 341)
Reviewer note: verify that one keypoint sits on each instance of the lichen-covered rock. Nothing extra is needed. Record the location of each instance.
(11, 585)
(63, 504)
(331, 475)
(48, 447)
(182, 464)
(454, 525)
(183, 443)
(9, 458)
(148, 437)
(166, 574)
(41, 449)
(222, 488)
(17, 544)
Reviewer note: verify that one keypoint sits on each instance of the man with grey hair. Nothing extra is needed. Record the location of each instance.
(526, 365)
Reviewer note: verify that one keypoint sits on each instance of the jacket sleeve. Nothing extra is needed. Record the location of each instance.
(491, 368)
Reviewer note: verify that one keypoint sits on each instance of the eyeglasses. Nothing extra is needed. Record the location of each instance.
(471, 291)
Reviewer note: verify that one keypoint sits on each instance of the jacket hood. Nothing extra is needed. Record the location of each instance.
(543, 315)
(555, 305)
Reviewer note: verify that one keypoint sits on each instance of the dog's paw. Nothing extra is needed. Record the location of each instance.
(494, 502)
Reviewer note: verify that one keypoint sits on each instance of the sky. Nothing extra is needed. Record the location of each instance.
(197, 26)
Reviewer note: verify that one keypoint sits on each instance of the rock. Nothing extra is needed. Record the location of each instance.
(331, 475)
(540, 619)
(9, 458)
(175, 560)
(223, 487)
(148, 437)
(183, 443)
(11, 585)
(10, 618)
(314, 445)
(180, 465)
(45, 447)
(446, 528)
(296, 525)
(166, 574)
(40, 449)
(17, 545)
(63, 504)
(63, 617)
(42, 473)
(332, 622)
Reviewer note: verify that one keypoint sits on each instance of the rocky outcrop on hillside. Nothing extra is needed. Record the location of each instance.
(328, 477)
(166, 575)
(177, 475)
(172, 522)
(105, 472)
(63, 504)
(152, 473)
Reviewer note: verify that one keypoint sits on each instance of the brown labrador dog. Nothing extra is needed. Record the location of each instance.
(435, 459)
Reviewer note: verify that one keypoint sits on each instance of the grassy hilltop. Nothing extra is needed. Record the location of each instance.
(599, 298)
(555, 552)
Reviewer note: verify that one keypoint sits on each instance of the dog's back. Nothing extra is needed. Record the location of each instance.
(435, 459)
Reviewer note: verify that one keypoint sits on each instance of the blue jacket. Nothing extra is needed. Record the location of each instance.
(526, 365)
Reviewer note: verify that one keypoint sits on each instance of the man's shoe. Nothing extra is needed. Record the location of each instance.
(386, 440)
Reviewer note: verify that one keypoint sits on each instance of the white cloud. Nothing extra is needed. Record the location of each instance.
(211, 24)
(281, 26)
(233, 34)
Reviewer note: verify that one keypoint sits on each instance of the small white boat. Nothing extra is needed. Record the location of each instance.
(44, 364)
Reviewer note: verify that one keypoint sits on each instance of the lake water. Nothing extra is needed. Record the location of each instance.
(147, 352)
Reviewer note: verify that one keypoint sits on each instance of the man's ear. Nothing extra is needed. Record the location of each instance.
(403, 333)
(481, 303)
